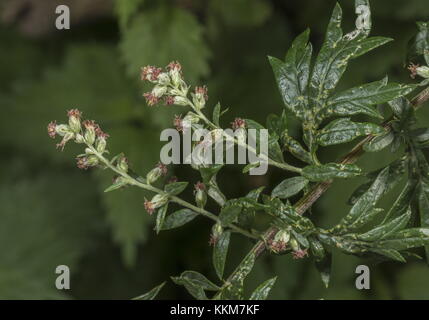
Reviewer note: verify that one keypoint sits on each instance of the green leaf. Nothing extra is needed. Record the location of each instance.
(324, 267)
(126, 9)
(175, 188)
(274, 150)
(229, 212)
(424, 211)
(200, 280)
(400, 206)
(195, 283)
(117, 185)
(220, 251)
(359, 99)
(330, 171)
(296, 149)
(263, 290)
(389, 253)
(419, 45)
(216, 114)
(380, 142)
(160, 216)
(289, 187)
(368, 200)
(406, 239)
(292, 75)
(158, 29)
(235, 289)
(151, 294)
(385, 230)
(344, 130)
(178, 219)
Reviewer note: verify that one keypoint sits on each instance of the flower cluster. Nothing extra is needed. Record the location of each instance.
(87, 131)
(170, 86)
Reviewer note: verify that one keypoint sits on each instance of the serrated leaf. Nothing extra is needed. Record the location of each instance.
(330, 171)
(220, 252)
(178, 219)
(151, 294)
(344, 130)
(263, 290)
(289, 187)
(160, 216)
(145, 32)
(175, 188)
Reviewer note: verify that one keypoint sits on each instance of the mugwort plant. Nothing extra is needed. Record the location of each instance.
(307, 84)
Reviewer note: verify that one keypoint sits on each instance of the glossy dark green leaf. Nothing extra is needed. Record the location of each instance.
(424, 211)
(151, 294)
(200, 280)
(345, 130)
(292, 75)
(368, 200)
(194, 289)
(296, 149)
(324, 266)
(380, 142)
(406, 239)
(175, 188)
(274, 150)
(401, 204)
(389, 253)
(220, 252)
(385, 230)
(230, 212)
(178, 219)
(252, 124)
(160, 216)
(419, 44)
(349, 102)
(235, 289)
(330, 171)
(263, 290)
(289, 187)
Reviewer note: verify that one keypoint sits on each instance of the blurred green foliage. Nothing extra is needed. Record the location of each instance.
(52, 214)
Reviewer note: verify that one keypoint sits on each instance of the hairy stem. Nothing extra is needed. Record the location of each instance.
(137, 183)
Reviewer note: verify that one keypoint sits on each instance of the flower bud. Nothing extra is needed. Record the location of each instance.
(294, 244)
(101, 144)
(217, 231)
(62, 129)
(92, 160)
(74, 120)
(423, 72)
(79, 138)
(157, 201)
(122, 164)
(164, 79)
(90, 136)
(181, 101)
(156, 173)
(158, 91)
(200, 194)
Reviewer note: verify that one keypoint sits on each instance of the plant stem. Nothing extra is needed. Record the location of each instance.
(316, 192)
(135, 182)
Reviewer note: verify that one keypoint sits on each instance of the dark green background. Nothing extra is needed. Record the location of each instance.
(51, 213)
